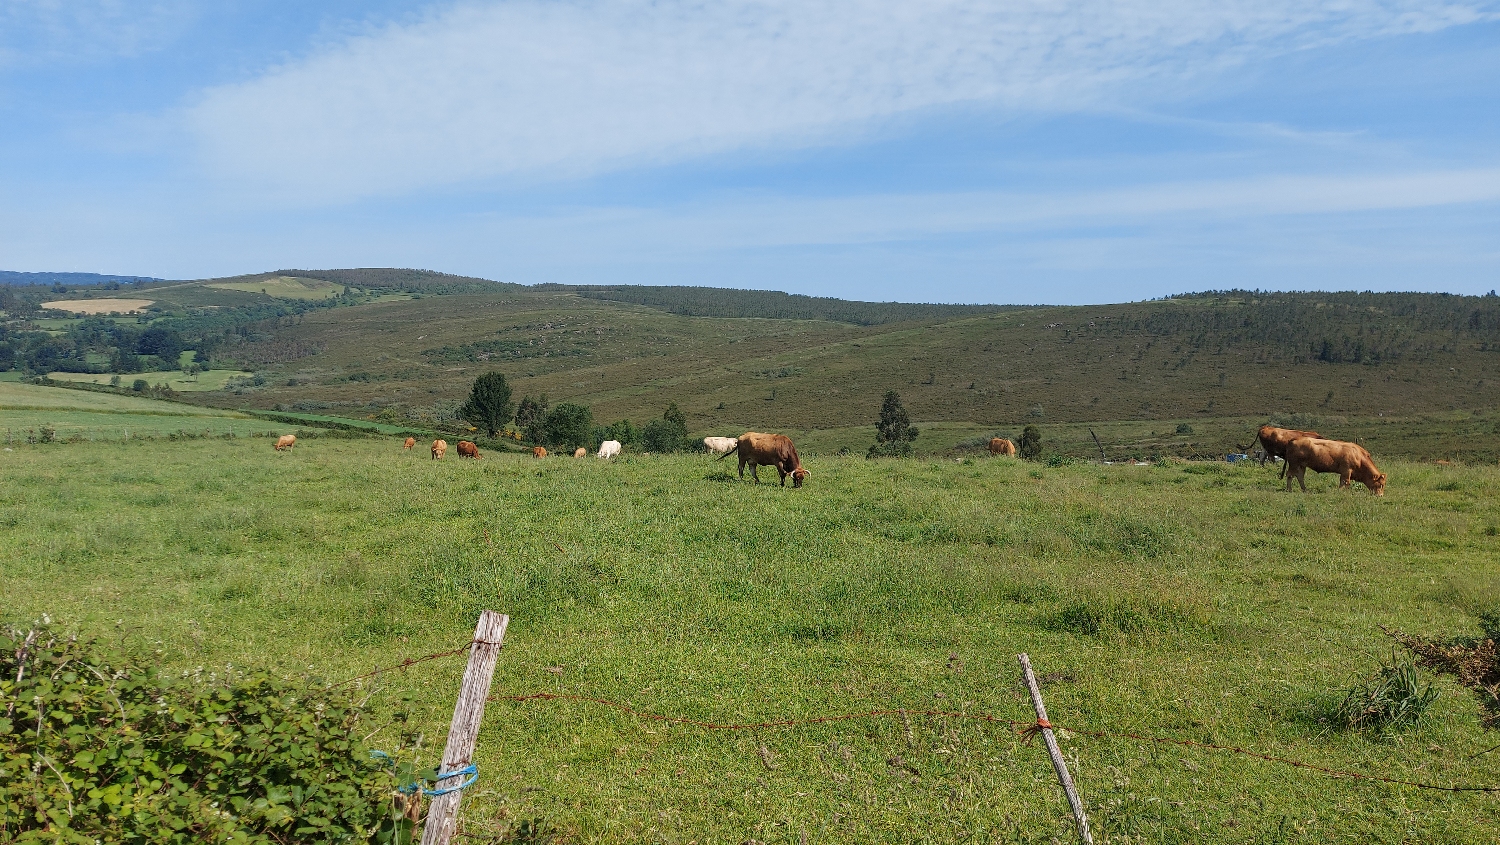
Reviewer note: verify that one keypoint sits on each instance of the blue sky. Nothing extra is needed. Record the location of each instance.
(1025, 151)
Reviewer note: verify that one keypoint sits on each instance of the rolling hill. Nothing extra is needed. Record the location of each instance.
(357, 342)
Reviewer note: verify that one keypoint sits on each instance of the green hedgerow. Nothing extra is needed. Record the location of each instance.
(99, 745)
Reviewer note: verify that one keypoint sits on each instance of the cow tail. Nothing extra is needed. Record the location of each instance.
(730, 452)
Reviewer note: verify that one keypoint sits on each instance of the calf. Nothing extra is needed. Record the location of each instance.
(538, 452)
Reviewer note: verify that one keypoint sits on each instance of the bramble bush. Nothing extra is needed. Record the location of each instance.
(100, 745)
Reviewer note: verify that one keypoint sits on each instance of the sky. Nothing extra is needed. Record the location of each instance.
(1026, 151)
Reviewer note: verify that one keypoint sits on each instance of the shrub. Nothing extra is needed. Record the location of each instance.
(1030, 445)
(668, 434)
(97, 745)
(1184, 428)
(1390, 700)
(140, 385)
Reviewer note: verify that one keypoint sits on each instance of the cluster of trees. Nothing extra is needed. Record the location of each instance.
(567, 425)
(93, 345)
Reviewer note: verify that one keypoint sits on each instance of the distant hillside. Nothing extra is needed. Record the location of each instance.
(727, 302)
(360, 342)
(12, 277)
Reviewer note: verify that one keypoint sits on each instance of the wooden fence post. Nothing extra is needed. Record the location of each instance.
(442, 814)
(1058, 764)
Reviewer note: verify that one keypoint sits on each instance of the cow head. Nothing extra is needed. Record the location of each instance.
(797, 475)
(1376, 485)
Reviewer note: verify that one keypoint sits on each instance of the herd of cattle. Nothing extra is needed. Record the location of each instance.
(1301, 451)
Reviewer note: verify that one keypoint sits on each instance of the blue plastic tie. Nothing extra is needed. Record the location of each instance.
(412, 788)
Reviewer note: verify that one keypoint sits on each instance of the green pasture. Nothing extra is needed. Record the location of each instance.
(283, 287)
(1193, 601)
(175, 379)
(80, 414)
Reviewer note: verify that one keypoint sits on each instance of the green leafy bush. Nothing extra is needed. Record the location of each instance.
(98, 745)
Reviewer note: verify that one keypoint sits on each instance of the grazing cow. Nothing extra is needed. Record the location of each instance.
(410, 442)
(720, 445)
(609, 448)
(538, 452)
(439, 449)
(1001, 446)
(775, 450)
(1274, 441)
(1349, 461)
(467, 449)
(580, 452)
(285, 442)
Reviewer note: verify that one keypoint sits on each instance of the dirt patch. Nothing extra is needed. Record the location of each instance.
(99, 306)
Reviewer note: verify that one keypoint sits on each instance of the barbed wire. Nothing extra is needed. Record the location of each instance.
(1026, 729)
(408, 662)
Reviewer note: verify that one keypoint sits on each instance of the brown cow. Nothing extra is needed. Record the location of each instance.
(1347, 460)
(1274, 441)
(439, 449)
(580, 452)
(410, 442)
(775, 450)
(538, 452)
(285, 442)
(1001, 446)
(466, 449)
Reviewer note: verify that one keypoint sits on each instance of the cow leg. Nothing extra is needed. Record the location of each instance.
(1344, 480)
(782, 473)
(742, 467)
(755, 471)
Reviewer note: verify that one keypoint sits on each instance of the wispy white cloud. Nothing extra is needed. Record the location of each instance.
(86, 30)
(479, 91)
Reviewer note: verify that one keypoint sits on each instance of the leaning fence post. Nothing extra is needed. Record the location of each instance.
(1058, 764)
(442, 814)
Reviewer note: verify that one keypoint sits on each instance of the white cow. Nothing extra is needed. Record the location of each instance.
(609, 449)
(720, 445)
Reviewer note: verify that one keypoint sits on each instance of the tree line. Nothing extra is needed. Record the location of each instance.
(567, 425)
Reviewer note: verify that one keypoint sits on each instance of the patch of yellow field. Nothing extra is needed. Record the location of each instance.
(99, 306)
(180, 381)
(285, 287)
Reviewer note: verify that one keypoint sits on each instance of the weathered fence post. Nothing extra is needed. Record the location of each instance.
(1058, 764)
(442, 814)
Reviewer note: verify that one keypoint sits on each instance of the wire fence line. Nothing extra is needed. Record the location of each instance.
(1024, 728)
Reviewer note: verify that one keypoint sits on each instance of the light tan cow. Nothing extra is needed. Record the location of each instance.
(1001, 446)
(439, 449)
(580, 452)
(720, 445)
(285, 442)
(410, 442)
(1349, 461)
(538, 452)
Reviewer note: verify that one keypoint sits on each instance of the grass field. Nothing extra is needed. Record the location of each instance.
(1186, 600)
(177, 380)
(107, 416)
(284, 287)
